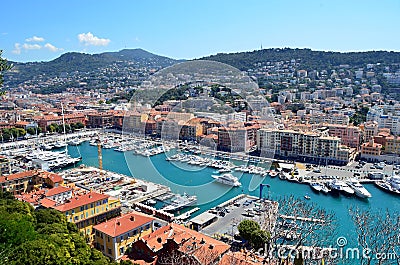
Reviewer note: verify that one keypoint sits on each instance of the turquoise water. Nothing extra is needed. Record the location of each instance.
(195, 180)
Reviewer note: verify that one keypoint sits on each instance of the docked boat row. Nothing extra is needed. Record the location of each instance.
(49, 160)
(391, 184)
(222, 166)
(347, 188)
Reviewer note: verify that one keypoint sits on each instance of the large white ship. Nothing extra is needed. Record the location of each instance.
(180, 201)
(359, 189)
(227, 179)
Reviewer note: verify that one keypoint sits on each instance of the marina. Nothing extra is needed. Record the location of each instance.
(181, 171)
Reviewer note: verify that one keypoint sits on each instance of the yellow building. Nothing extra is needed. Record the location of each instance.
(115, 236)
(392, 145)
(87, 210)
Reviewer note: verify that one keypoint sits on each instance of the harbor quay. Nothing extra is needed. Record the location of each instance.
(131, 192)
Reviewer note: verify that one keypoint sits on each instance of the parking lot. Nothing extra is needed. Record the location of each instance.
(229, 217)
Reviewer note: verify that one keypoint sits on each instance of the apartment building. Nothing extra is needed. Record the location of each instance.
(328, 118)
(392, 145)
(351, 136)
(115, 236)
(134, 121)
(46, 120)
(370, 130)
(86, 209)
(304, 146)
(100, 120)
(370, 150)
(26, 181)
(386, 117)
(237, 139)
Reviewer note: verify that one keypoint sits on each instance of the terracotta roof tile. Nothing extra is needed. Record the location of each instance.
(19, 175)
(81, 200)
(57, 190)
(120, 225)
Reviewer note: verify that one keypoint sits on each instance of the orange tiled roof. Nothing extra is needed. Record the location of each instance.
(186, 238)
(81, 200)
(19, 175)
(120, 225)
(241, 258)
(57, 190)
(46, 202)
(55, 178)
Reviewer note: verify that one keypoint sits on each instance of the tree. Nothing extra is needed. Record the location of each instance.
(4, 66)
(259, 238)
(41, 237)
(247, 227)
(378, 234)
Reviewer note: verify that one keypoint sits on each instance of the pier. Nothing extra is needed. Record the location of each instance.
(305, 219)
(187, 214)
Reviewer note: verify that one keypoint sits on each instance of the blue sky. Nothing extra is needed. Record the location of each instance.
(185, 29)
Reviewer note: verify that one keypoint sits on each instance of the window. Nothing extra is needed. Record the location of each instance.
(121, 250)
(82, 208)
(109, 251)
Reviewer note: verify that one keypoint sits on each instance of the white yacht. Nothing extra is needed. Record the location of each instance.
(75, 141)
(60, 144)
(325, 189)
(394, 181)
(227, 179)
(316, 186)
(340, 186)
(359, 189)
(179, 202)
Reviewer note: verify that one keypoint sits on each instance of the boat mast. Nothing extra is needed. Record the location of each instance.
(63, 120)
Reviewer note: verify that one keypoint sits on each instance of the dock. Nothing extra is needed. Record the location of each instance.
(305, 219)
(187, 214)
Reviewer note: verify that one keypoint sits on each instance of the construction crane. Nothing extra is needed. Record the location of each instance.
(100, 156)
(262, 187)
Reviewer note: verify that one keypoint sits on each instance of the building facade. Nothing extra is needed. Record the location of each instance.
(115, 236)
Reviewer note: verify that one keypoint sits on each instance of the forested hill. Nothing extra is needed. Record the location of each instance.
(310, 60)
(74, 62)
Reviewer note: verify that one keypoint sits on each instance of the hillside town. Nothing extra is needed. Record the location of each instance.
(337, 118)
(345, 110)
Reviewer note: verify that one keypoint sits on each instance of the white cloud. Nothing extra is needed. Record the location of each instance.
(34, 39)
(27, 46)
(52, 48)
(17, 48)
(89, 39)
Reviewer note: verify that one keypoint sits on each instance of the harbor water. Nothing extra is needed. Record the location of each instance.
(194, 180)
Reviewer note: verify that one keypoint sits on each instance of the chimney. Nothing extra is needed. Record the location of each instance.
(118, 223)
(132, 218)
